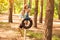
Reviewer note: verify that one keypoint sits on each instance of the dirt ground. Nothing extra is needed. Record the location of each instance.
(10, 31)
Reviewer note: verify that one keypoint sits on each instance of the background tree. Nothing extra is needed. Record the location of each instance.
(30, 3)
(59, 10)
(41, 13)
(25, 1)
(11, 2)
(36, 13)
(49, 20)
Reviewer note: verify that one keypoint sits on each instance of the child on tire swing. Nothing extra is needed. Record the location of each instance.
(24, 13)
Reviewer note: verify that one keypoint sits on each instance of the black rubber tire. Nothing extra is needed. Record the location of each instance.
(30, 25)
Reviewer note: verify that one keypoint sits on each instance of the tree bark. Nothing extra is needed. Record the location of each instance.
(36, 12)
(25, 1)
(41, 13)
(10, 10)
(49, 20)
(59, 10)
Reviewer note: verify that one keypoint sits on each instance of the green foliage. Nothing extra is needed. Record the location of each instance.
(34, 35)
(32, 11)
(3, 5)
(40, 35)
(56, 9)
(18, 6)
(33, 6)
(55, 37)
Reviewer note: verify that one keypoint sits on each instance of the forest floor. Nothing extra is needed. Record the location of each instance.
(10, 31)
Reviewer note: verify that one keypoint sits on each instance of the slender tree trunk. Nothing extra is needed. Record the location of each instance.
(30, 2)
(49, 20)
(25, 1)
(14, 10)
(59, 10)
(36, 12)
(41, 13)
(10, 10)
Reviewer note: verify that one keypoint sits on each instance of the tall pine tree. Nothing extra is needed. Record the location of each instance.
(49, 20)
(35, 13)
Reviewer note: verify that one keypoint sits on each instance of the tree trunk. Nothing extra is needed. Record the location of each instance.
(10, 10)
(59, 10)
(14, 11)
(41, 13)
(30, 2)
(25, 1)
(49, 20)
(36, 12)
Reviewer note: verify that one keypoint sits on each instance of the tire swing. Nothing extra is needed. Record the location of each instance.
(27, 18)
(30, 23)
